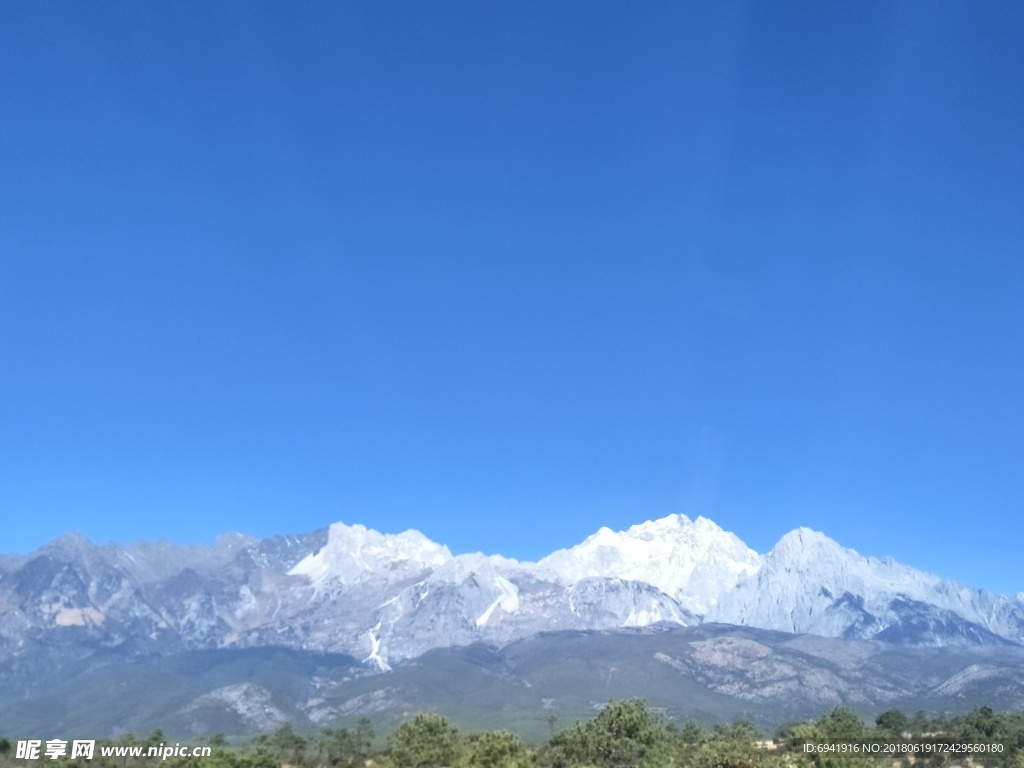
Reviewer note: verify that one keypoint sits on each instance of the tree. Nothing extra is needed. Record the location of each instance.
(154, 738)
(691, 733)
(918, 723)
(426, 741)
(221, 758)
(497, 749)
(126, 739)
(892, 722)
(363, 736)
(347, 748)
(625, 734)
(793, 736)
(982, 724)
(731, 745)
(290, 746)
(841, 724)
(261, 758)
(739, 731)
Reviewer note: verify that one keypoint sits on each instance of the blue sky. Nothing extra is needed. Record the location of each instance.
(509, 272)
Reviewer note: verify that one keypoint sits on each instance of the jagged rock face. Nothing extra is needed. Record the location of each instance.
(383, 598)
(810, 584)
(71, 599)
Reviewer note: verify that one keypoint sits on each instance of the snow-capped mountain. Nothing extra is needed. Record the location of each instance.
(808, 583)
(353, 553)
(692, 562)
(387, 597)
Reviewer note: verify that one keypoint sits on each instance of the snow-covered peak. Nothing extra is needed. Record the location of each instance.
(814, 556)
(693, 570)
(810, 583)
(354, 550)
(805, 547)
(692, 561)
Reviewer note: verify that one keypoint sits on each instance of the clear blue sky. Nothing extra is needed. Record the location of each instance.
(508, 272)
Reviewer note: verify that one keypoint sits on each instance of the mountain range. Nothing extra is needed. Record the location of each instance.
(383, 601)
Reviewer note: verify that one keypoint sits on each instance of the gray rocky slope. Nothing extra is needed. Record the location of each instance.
(710, 673)
(384, 598)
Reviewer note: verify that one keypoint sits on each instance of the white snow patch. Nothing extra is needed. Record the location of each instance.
(508, 600)
(375, 658)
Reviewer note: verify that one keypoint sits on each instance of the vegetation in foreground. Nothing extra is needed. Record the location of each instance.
(625, 734)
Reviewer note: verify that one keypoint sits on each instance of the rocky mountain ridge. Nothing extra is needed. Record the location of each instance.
(386, 597)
